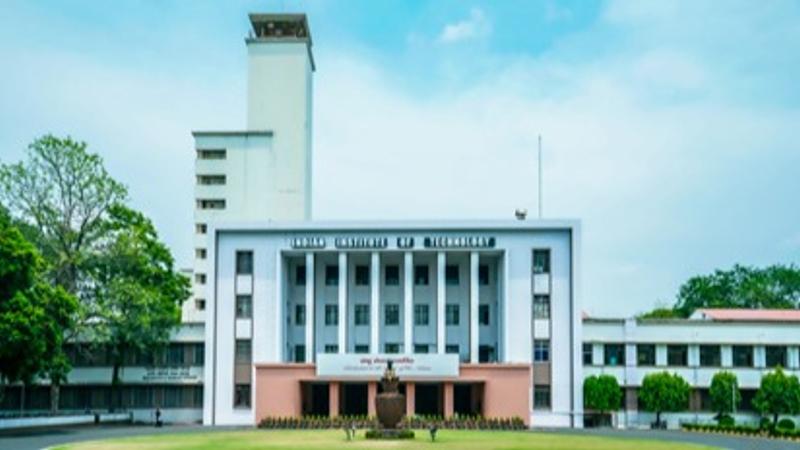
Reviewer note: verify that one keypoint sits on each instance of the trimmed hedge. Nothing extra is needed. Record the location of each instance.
(456, 422)
(744, 430)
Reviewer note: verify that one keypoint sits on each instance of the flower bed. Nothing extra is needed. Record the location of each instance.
(456, 422)
(744, 430)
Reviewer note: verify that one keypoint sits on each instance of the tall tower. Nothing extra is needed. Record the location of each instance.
(261, 173)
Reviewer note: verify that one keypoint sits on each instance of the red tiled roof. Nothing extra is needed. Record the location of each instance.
(778, 315)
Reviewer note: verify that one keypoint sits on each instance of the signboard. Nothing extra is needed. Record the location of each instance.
(362, 242)
(459, 242)
(177, 373)
(313, 242)
(354, 365)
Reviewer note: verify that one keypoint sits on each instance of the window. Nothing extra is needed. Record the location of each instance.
(541, 350)
(710, 356)
(421, 275)
(214, 203)
(775, 355)
(486, 353)
(541, 306)
(391, 275)
(362, 314)
(299, 353)
(331, 314)
(210, 154)
(244, 306)
(300, 276)
(175, 355)
(677, 355)
(451, 348)
(331, 348)
(299, 314)
(199, 354)
(391, 314)
(200, 228)
(421, 348)
(451, 275)
(483, 274)
(200, 253)
(200, 278)
(244, 263)
(614, 354)
(645, 354)
(742, 356)
(243, 351)
(483, 314)
(391, 347)
(362, 275)
(541, 396)
(451, 315)
(200, 304)
(587, 354)
(361, 348)
(211, 180)
(541, 261)
(331, 275)
(420, 314)
(242, 396)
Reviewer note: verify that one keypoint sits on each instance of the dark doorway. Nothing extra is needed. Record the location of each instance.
(468, 399)
(429, 399)
(316, 399)
(353, 399)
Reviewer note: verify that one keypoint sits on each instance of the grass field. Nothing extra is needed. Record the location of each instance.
(332, 439)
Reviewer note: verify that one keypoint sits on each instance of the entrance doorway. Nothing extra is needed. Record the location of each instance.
(316, 399)
(468, 399)
(353, 399)
(429, 399)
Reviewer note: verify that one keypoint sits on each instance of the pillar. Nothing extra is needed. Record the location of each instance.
(372, 393)
(474, 329)
(333, 399)
(411, 399)
(448, 400)
(408, 303)
(343, 302)
(374, 309)
(440, 299)
(310, 283)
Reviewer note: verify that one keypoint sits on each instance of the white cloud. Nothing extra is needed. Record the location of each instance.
(476, 26)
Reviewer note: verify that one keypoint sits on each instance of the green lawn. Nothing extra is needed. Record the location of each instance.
(331, 439)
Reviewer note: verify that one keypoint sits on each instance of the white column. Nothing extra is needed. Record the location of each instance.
(408, 303)
(474, 330)
(343, 302)
(440, 298)
(310, 323)
(374, 309)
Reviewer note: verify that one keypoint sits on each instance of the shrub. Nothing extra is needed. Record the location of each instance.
(785, 424)
(726, 421)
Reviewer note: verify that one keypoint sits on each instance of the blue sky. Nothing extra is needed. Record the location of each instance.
(670, 128)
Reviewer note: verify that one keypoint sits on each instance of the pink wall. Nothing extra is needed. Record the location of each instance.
(278, 389)
(506, 391)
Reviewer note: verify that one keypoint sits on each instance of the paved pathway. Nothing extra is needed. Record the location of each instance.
(41, 438)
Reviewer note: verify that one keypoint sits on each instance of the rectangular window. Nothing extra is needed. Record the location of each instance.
(361, 348)
(587, 354)
(541, 306)
(775, 355)
(200, 278)
(331, 348)
(300, 276)
(391, 314)
(199, 354)
(242, 396)
(421, 315)
(710, 356)
(391, 348)
(331, 275)
(421, 348)
(742, 356)
(486, 354)
(244, 263)
(299, 353)
(243, 351)
(541, 261)
(331, 315)
(244, 306)
(200, 228)
(211, 154)
(451, 275)
(211, 180)
(200, 253)
(175, 355)
(541, 350)
(299, 314)
(362, 275)
(483, 274)
(614, 354)
(210, 203)
(541, 397)
(200, 304)
(483, 314)
(391, 275)
(451, 348)
(645, 354)
(421, 275)
(451, 314)
(677, 355)
(362, 314)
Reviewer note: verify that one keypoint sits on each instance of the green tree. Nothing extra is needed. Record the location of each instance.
(660, 313)
(724, 393)
(664, 392)
(602, 393)
(137, 290)
(779, 394)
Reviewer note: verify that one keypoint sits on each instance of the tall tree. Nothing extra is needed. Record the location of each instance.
(779, 394)
(137, 289)
(664, 392)
(724, 393)
(602, 393)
